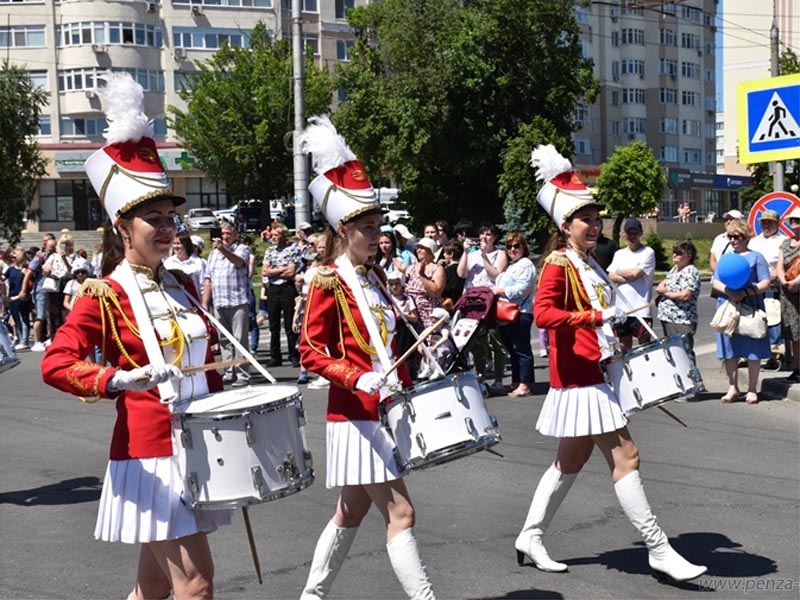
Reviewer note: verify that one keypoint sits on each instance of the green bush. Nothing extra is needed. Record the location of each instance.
(652, 240)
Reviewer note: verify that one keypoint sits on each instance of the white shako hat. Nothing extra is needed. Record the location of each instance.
(341, 191)
(127, 172)
(563, 191)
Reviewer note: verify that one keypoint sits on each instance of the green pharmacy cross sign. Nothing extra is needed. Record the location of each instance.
(185, 161)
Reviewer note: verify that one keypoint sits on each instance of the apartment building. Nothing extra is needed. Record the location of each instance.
(746, 57)
(66, 44)
(655, 61)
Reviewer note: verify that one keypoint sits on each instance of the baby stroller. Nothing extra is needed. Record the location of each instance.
(474, 314)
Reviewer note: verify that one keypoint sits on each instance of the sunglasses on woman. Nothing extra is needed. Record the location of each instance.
(514, 246)
(735, 237)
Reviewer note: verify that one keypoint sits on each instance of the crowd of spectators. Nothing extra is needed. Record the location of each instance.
(431, 272)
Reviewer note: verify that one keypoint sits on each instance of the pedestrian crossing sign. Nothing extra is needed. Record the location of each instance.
(769, 119)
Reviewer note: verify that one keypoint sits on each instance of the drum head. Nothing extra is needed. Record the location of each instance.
(236, 401)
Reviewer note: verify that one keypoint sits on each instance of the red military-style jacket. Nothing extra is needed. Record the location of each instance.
(563, 307)
(329, 348)
(143, 427)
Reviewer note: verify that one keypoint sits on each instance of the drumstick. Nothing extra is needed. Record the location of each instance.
(671, 415)
(252, 541)
(635, 310)
(223, 364)
(422, 337)
(215, 365)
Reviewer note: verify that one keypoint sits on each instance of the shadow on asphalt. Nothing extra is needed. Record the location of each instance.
(723, 557)
(532, 594)
(69, 491)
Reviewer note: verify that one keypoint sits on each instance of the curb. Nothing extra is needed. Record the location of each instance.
(775, 387)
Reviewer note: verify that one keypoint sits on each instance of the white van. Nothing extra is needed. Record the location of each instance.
(396, 209)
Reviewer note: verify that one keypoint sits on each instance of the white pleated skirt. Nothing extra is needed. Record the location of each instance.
(141, 502)
(359, 453)
(575, 412)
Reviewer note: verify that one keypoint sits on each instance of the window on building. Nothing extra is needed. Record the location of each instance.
(582, 146)
(237, 3)
(668, 96)
(691, 13)
(691, 127)
(71, 80)
(690, 70)
(669, 9)
(631, 7)
(114, 32)
(82, 127)
(669, 154)
(615, 70)
(208, 39)
(39, 80)
(633, 96)
(22, 36)
(710, 131)
(311, 41)
(45, 128)
(343, 48)
(203, 192)
(342, 6)
(690, 99)
(633, 66)
(633, 125)
(615, 38)
(668, 37)
(692, 156)
(615, 128)
(630, 36)
(585, 47)
(690, 40)
(581, 115)
(160, 127)
(668, 66)
(709, 76)
(614, 98)
(669, 125)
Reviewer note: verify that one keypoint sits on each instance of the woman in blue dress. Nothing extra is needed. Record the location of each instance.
(732, 348)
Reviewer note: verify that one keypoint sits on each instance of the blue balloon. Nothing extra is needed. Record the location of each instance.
(733, 270)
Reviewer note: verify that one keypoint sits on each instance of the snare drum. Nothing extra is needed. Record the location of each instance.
(243, 446)
(438, 421)
(653, 373)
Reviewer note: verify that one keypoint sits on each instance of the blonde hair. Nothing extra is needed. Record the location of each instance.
(65, 239)
(738, 227)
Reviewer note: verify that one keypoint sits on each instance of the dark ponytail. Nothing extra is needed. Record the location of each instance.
(113, 249)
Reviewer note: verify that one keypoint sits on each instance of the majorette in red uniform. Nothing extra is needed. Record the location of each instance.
(144, 324)
(347, 338)
(574, 303)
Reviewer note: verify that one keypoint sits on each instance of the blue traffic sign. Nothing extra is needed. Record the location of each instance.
(770, 129)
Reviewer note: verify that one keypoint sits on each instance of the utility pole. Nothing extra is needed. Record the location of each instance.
(301, 208)
(774, 38)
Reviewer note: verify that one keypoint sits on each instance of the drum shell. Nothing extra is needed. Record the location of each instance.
(438, 421)
(653, 373)
(249, 448)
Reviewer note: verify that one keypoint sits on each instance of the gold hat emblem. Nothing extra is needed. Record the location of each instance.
(359, 175)
(147, 155)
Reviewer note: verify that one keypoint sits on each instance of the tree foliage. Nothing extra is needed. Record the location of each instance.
(21, 165)
(239, 115)
(630, 183)
(441, 93)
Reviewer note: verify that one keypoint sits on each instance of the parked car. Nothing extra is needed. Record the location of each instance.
(200, 218)
(395, 213)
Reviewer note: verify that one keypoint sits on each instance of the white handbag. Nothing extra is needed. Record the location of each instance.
(752, 322)
(50, 284)
(726, 318)
(773, 308)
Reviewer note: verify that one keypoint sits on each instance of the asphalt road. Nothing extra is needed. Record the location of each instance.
(725, 489)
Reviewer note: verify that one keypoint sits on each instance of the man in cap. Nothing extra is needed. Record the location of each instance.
(405, 244)
(768, 243)
(721, 244)
(632, 270)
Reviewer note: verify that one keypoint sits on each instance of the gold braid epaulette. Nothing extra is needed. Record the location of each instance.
(557, 258)
(95, 288)
(325, 278)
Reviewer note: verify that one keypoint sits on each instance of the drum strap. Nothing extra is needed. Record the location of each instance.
(614, 287)
(125, 277)
(350, 277)
(232, 339)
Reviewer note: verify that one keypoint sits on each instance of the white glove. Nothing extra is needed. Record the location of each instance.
(370, 382)
(612, 314)
(143, 378)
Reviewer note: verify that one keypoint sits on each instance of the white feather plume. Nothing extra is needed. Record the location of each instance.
(323, 142)
(548, 162)
(124, 109)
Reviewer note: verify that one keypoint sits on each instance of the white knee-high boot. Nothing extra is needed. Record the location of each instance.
(332, 548)
(550, 493)
(408, 567)
(662, 556)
